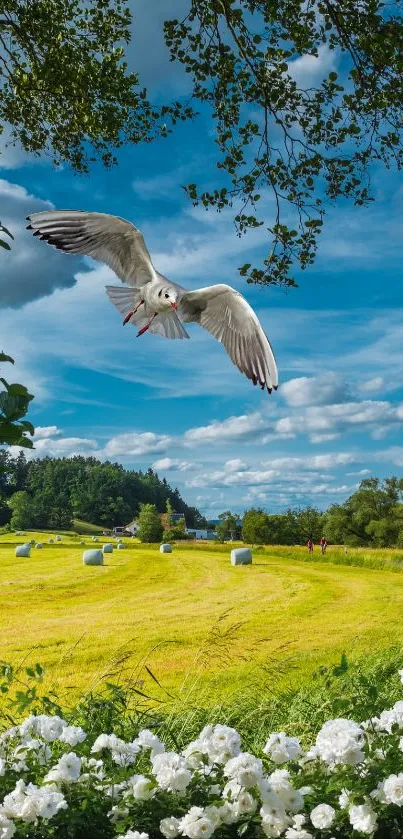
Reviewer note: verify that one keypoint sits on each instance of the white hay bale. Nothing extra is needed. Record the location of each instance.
(82, 543)
(58, 538)
(121, 546)
(39, 545)
(95, 539)
(93, 557)
(23, 550)
(108, 548)
(241, 556)
(51, 541)
(165, 549)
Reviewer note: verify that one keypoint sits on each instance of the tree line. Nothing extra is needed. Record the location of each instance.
(372, 517)
(51, 492)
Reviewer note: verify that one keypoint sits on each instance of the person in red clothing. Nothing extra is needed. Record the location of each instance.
(309, 545)
(323, 544)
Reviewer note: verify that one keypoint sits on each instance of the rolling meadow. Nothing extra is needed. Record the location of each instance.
(200, 625)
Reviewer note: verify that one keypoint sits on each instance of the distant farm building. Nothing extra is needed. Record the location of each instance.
(128, 530)
(201, 534)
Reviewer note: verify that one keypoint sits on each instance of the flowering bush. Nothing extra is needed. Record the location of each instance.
(58, 781)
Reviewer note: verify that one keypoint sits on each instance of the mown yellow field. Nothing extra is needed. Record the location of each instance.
(293, 615)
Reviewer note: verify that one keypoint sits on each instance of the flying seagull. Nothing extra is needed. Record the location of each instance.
(151, 302)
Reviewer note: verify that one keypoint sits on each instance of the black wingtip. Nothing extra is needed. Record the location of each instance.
(27, 218)
(29, 227)
(275, 387)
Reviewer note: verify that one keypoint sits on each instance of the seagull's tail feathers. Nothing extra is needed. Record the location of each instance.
(123, 298)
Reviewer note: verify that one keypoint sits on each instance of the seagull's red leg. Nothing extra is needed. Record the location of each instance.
(147, 326)
(130, 315)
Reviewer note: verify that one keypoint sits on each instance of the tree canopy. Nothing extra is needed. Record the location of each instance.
(285, 148)
(65, 88)
(53, 491)
(14, 402)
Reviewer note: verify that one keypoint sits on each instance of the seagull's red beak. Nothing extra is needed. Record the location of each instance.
(174, 306)
(127, 318)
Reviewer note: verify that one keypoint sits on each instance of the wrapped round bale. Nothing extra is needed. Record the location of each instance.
(39, 545)
(95, 539)
(58, 538)
(241, 556)
(121, 546)
(51, 541)
(94, 557)
(108, 548)
(165, 549)
(23, 550)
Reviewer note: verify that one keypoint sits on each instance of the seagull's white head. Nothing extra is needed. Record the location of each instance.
(168, 298)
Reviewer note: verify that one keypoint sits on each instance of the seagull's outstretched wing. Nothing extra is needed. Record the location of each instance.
(226, 315)
(105, 238)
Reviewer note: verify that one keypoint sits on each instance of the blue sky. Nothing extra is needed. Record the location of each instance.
(183, 408)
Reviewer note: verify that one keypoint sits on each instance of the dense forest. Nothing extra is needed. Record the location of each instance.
(51, 492)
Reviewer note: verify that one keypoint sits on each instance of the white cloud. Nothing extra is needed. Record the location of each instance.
(63, 447)
(137, 443)
(320, 421)
(320, 390)
(315, 461)
(235, 465)
(30, 269)
(233, 428)
(166, 464)
(372, 385)
(310, 70)
(47, 431)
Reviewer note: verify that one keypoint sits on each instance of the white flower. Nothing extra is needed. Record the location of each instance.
(171, 771)
(362, 818)
(344, 799)
(227, 813)
(219, 743)
(274, 817)
(148, 740)
(322, 816)
(49, 802)
(340, 741)
(135, 834)
(169, 827)
(282, 748)
(279, 781)
(117, 813)
(67, 769)
(72, 735)
(140, 787)
(102, 742)
(27, 802)
(394, 716)
(44, 726)
(7, 827)
(246, 769)
(196, 824)
(392, 789)
(2, 766)
(400, 672)
(297, 830)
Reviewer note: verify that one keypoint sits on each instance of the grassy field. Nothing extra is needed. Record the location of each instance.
(190, 612)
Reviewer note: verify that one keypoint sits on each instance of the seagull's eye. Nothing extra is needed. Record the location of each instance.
(166, 296)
